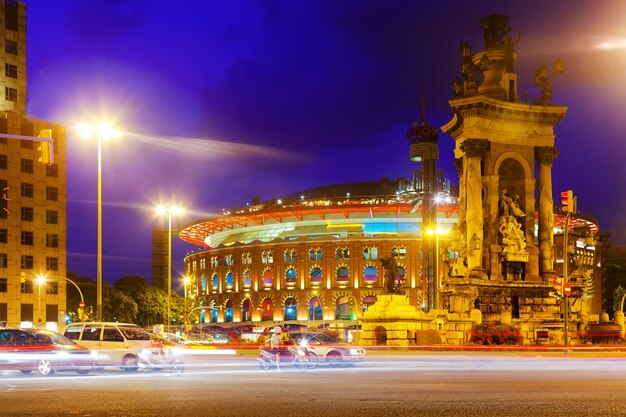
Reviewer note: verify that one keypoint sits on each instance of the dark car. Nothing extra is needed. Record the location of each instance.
(42, 351)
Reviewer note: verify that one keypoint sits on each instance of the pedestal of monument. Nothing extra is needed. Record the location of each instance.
(390, 321)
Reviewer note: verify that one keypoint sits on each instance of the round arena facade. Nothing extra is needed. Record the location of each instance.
(312, 256)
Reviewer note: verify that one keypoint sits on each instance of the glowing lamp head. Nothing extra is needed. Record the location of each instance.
(41, 279)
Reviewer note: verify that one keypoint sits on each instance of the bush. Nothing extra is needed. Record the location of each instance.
(495, 334)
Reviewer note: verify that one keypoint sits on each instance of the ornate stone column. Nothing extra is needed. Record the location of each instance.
(458, 164)
(474, 149)
(544, 156)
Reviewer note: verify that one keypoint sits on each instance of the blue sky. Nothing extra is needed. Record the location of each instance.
(221, 101)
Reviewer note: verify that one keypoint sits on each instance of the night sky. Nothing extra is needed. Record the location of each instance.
(221, 101)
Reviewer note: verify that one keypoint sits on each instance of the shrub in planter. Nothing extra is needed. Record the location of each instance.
(495, 334)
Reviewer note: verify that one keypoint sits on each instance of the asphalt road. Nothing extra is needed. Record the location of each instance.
(419, 384)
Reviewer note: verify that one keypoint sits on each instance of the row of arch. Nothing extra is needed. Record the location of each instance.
(345, 308)
(342, 276)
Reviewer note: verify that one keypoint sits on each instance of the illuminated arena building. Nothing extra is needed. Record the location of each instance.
(315, 256)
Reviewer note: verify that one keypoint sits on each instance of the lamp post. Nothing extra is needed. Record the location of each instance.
(171, 210)
(436, 232)
(81, 307)
(102, 131)
(41, 280)
(186, 281)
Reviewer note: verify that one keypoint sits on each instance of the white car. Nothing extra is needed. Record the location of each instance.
(321, 347)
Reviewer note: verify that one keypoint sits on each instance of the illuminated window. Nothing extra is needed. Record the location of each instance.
(343, 275)
(370, 252)
(214, 282)
(214, 262)
(229, 280)
(228, 260)
(290, 255)
(203, 263)
(342, 253)
(291, 277)
(399, 251)
(370, 275)
(315, 254)
(316, 275)
(268, 278)
(267, 257)
(246, 258)
(247, 279)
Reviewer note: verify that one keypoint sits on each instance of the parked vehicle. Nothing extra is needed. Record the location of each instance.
(323, 348)
(68, 355)
(118, 344)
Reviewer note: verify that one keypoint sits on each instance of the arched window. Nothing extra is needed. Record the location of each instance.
(316, 275)
(291, 277)
(291, 309)
(229, 280)
(214, 282)
(245, 310)
(370, 275)
(268, 278)
(247, 280)
(214, 310)
(267, 310)
(368, 301)
(343, 275)
(315, 309)
(228, 313)
(203, 284)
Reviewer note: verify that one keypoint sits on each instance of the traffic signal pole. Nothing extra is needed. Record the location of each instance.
(564, 280)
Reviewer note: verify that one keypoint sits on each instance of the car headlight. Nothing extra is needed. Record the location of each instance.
(355, 351)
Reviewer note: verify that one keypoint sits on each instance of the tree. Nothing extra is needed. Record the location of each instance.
(151, 301)
(117, 305)
(618, 294)
(88, 288)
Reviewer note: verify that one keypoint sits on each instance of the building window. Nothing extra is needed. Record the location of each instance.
(4, 260)
(267, 257)
(26, 166)
(228, 260)
(26, 262)
(399, 251)
(370, 275)
(343, 275)
(10, 14)
(214, 262)
(194, 264)
(203, 263)
(291, 277)
(246, 258)
(230, 280)
(52, 193)
(290, 255)
(3, 285)
(214, 282)
(4, 162)
(27, 238)
(342, 253)
(52, 288)
(52, 264)
(10, 94)
(10, 70)
(52, 240)
(27, 190)
(370, 252)
(27, 214)
(316, 275)
(52, 170)
(10, 47)
(27, 287)
(247, 279)
(3, 235)
(315, 254)
(52, 217)
(268, 278)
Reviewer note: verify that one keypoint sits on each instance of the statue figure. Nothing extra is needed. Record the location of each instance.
(391, 284)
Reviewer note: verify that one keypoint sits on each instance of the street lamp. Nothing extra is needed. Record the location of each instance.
(81, 306)
(186, 281)
(41, 280)
(103, 131)
(436, 232)
(171, 210)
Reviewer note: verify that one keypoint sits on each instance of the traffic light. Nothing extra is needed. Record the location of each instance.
(44, 146)
(44, 155)
(558, 289)
(568, 203)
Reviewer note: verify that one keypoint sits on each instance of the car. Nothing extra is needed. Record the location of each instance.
(67, 354)
(118, 344)
(323, 348)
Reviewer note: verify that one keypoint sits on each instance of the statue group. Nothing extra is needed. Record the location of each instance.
(513, 238)
(393, 279)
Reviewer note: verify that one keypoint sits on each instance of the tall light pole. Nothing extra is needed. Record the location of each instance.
(186, 281)
(41, 280)
(171, 210)
(81, 306)
(436, 232)
(103, 131)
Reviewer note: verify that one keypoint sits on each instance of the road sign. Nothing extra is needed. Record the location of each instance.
(567, 289)
(81, 305)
